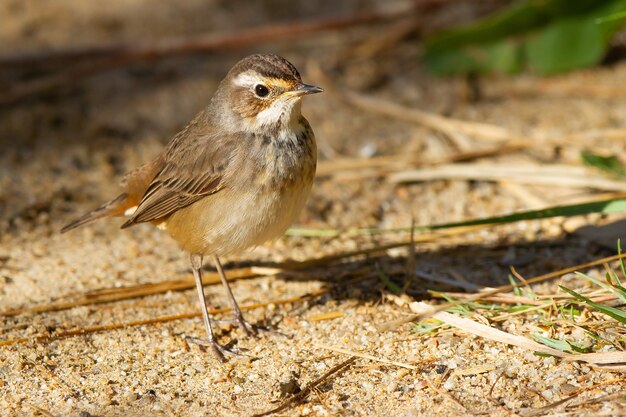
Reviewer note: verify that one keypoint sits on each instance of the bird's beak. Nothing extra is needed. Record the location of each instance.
(304, 89)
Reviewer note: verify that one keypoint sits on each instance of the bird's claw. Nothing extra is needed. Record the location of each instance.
(221, 352)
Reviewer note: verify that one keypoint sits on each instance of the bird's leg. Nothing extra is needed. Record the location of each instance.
(248, 328)
(219, 350)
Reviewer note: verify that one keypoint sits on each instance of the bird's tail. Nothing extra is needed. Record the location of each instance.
(115, 207)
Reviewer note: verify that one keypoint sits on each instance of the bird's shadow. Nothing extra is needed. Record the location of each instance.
(463, 268)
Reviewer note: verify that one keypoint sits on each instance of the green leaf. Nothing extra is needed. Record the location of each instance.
(566, 45)
(609, 164)
(616, 313)
(611, 17)
(547, 36)
(553, 343)
(561, 345)
(518, 18)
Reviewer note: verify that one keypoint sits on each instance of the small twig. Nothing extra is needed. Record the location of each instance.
(445, 394)
(502, 299)
(553, 175)
(163, 319)
(608, 397)
(365, 356)
(40, 410)
(310, 387)
(433, 121)
(56, 380)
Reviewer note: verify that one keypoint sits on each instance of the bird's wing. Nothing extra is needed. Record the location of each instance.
(193, 168)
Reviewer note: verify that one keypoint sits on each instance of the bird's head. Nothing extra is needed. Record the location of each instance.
(263, 92)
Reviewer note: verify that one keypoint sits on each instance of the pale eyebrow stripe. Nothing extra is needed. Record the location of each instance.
(247, 79)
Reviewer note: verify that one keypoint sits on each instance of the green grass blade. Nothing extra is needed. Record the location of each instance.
(616, 313)
(553, 343)
(608, 164)
(621, 261)
(603, 207)
(609, 288)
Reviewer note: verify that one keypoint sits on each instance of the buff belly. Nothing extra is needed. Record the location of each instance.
(231, 221)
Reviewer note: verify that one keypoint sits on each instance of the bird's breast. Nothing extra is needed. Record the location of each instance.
(259, 202)
(285, 159)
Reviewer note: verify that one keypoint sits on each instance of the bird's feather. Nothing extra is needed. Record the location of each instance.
(190, 172)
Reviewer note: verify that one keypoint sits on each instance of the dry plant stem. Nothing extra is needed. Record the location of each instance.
(482, 295)
(503, 299)
(607, 397)
(365, 356)
(389, 164)
(433, 121)
(310, 387)
(107, 295)
(553, 175)
(193, 45)
(163, 319)
(107, 57)
(40, 410)
(381, 42)
(57, 381)
(444, 393)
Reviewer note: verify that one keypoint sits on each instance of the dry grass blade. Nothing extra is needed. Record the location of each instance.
(433, 121)
(40, 410)
(608, 397)
(310, 387)
(331, 315)
(365, 356)
(501, 299)
(163, 319)
(445, 394)
(107, 295)
(383, 165)
(487, 332)
(556, 175)
(615, 361)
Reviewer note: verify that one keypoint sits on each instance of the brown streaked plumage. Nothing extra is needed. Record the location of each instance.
(236, 176)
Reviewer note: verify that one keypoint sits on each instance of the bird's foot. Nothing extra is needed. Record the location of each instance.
(221, 352)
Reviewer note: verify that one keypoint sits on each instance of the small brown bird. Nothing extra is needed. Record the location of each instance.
(235, 177)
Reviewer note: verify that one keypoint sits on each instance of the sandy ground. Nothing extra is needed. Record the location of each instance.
(63, 154)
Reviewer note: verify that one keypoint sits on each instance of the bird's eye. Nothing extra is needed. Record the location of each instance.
(261, 90)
